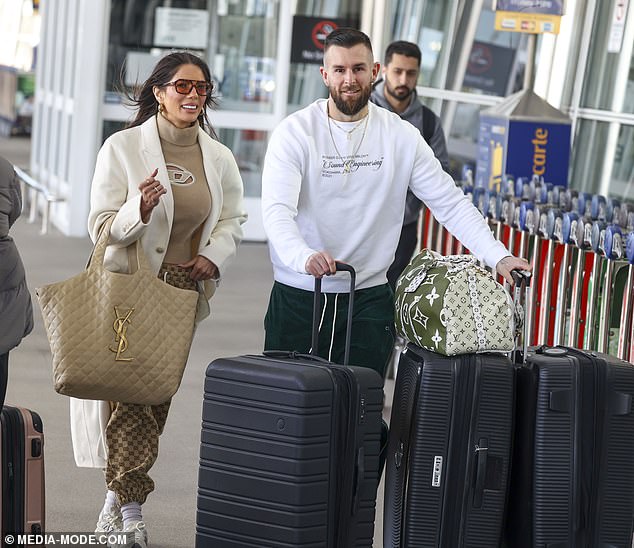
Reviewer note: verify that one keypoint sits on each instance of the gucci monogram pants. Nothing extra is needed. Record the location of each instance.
(132, 433)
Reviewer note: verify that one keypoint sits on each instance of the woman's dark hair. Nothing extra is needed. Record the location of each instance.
(143, 96)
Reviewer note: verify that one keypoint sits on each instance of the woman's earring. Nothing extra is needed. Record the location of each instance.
(161, 108)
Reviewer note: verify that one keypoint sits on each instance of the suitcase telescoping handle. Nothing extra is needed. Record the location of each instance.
(317, 310)
(521, 292)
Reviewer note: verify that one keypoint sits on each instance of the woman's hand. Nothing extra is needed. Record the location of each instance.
(201, 268)
(151, 192)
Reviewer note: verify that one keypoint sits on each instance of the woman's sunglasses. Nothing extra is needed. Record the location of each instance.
(185, 86)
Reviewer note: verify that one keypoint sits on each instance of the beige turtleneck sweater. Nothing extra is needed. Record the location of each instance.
(192, 200)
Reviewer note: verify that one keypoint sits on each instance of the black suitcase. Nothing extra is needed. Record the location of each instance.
(572, 482)
(22, 472)
(289, 452)
(449, 451)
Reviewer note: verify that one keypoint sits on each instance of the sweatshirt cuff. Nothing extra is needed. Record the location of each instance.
(301, 258)
(495, 255)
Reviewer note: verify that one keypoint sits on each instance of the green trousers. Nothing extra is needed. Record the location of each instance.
(289, 318)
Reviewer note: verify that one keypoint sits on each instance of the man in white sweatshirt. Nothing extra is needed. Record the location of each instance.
(335, 178)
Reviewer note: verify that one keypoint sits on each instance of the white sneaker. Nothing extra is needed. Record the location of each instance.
(136, 534)
(109, 521)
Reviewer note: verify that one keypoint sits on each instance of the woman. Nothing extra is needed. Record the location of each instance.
(16, 313)
(178, 192)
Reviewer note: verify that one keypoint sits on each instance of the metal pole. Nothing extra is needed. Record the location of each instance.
(463, 60)
(531, 53)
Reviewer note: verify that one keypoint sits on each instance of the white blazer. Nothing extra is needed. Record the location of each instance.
(124, 161)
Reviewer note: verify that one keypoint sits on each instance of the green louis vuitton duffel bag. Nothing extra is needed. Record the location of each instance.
(451, 305)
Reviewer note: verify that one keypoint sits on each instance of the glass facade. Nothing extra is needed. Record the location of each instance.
(596, 81)
(604, 158)
(587, 71)
(248, 147)
(428, 24)
(461, 52)
(244, 55)
(237, 39)
(599, 91)
(487, 63)
(305, 83)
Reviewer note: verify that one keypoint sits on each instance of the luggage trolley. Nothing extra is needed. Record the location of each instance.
(581, 233)
(548, 208)
(568, 224)
(485, 200)
(528, 224)
(555, 288)
(626, 335)
(611, 247)
(595, 286)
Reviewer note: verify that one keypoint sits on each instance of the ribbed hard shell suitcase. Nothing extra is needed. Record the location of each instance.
(22, 473)
(572, 483)
(449, 451)
(289, 453)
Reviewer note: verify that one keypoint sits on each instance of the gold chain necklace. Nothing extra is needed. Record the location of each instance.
(347, 166)
(351, 131)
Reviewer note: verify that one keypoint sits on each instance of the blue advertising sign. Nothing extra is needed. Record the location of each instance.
(547, 7)
(539, 148)
(522, 148)
(523, 136)
(491, 149)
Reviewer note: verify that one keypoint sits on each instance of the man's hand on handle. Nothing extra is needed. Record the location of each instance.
(321, 264)
(509, 263)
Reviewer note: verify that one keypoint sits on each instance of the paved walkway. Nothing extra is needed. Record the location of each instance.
(74, 495)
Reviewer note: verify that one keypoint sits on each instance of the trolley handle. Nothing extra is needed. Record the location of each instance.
(317, 310)
(521, 292)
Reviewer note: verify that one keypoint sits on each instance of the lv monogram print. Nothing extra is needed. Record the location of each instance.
(451, 305)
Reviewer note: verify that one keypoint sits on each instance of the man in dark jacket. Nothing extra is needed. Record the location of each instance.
(397, 92)
(16, 313)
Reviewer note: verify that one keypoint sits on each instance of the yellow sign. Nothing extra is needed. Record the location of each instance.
(497, 158)
(531, 23)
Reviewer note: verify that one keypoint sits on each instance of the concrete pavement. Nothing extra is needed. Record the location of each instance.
(75, 495)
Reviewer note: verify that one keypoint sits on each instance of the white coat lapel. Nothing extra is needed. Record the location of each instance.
(153, 158)
(213, 181)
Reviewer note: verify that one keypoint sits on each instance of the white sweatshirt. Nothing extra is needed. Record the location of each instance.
(309, 204)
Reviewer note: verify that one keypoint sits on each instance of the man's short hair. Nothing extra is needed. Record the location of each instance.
(347, 37)
(401, 47)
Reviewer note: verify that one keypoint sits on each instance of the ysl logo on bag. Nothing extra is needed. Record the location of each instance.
(120, 327)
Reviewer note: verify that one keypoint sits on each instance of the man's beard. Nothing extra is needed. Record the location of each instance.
(399, 96)
(350, 107)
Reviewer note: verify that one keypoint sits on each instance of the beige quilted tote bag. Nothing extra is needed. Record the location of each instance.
(115, 336)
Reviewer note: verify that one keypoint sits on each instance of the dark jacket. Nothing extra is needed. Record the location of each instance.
(16, 312)
(430, 128)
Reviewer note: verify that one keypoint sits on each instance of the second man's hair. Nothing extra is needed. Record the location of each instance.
(401, 47)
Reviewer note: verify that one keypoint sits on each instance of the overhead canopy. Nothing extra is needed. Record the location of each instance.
(527, 105)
